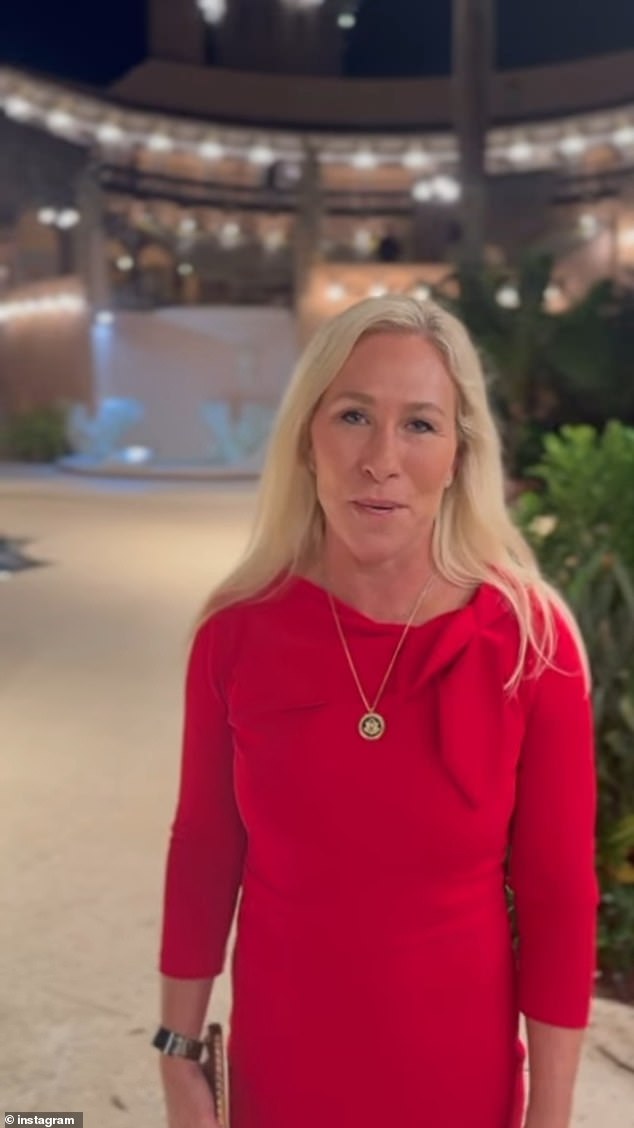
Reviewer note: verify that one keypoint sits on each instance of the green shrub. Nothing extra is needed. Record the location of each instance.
(581, 526)
(38, 435)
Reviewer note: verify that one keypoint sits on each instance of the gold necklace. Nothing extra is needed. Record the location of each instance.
(372, 724)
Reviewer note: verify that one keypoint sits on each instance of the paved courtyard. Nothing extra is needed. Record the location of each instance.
(92, 647)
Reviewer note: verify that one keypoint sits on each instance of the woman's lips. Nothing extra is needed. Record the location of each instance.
(377, 508)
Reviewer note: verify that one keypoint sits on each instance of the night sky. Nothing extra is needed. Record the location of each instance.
(96, 42)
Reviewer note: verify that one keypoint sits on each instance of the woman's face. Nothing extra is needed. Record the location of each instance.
(385, 433)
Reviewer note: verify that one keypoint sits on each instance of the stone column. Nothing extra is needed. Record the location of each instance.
(91, 253)
(308, 222)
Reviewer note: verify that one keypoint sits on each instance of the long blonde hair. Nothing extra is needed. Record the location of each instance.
(474, 539)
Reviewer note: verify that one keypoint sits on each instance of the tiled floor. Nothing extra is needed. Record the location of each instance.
(91, 653)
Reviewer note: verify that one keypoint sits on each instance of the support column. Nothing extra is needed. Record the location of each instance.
(473, 42)
(307, 238)
(91, 242)
(308, 221)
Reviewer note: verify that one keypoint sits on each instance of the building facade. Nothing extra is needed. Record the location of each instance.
(235, 169)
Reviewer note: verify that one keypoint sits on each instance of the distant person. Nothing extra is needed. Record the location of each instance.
(387, 722)
(389, 249)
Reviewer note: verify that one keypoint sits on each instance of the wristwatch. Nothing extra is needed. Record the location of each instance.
(177, 1045)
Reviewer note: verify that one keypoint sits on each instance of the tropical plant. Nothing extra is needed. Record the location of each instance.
(37, 435)
(548, 368)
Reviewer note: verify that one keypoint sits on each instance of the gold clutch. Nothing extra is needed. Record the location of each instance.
(213, 1067)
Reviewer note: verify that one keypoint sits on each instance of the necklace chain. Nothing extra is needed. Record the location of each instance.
(372, 707)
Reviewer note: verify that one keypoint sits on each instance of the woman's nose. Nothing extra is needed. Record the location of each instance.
(380, 458)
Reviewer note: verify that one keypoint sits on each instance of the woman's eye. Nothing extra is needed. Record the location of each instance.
(352, 416)
(421, 425)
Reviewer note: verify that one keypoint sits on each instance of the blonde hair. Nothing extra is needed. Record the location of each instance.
(474, 539)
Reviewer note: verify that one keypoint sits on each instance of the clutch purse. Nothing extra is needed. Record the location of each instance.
(213, 1067)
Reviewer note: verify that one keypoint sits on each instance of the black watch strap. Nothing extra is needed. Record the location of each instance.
(177, 1045)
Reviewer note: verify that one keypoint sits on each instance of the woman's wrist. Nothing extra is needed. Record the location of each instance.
(175, 1067)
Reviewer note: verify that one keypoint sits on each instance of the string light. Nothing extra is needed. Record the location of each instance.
(303, 5)
(273, 239)
(520, 152)
(364, 159)
(18, 108)
(508, 296)
(53, 303)
(68, 218)
(89, 119)
(363, 240)
(378, 290)
(185, 268)
(230, 234)
(422, 191)
(446, 189)
(422, 292)
(59, 121)
(110, 134)
(346, 21)
(213, 11)
(261, 155)
(125, 263)
(335, 292)
(573, 145)
(624, 136)
(47, 216)
(553, 294)
(589, 224)
(160, 143)
(211, 150)
(415, 159)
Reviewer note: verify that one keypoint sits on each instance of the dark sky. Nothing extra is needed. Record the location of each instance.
(95, 42)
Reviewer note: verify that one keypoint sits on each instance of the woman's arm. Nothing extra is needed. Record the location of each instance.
(208, 839)
(184, 1004)
(552, 873)
(554, 1054)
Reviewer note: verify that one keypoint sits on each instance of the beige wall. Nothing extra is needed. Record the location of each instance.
(174, 360)
(45, 357)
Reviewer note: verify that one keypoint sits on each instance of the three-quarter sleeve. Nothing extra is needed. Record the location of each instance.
(552, 864)
(207, 843)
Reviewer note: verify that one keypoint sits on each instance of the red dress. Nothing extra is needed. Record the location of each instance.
(374, 978)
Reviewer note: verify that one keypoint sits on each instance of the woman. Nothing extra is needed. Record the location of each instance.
(387, 720)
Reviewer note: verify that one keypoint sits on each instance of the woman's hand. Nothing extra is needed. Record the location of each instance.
(188, 1097)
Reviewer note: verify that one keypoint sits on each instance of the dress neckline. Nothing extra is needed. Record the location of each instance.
(352, 613)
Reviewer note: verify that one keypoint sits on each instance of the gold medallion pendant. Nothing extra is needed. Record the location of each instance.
(372, 726)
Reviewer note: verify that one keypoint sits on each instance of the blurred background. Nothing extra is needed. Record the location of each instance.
(188, 188)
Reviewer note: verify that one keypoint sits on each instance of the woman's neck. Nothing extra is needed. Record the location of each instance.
(386, 593)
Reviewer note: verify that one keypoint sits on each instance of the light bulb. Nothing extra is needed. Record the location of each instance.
(508, 296)
(335, 292)
(364, 159)
(213, 11)
(261, 155)
(422, 191)
(520, 152)
(18, 108)
(68, 218)
(110, 134)
(415, 159)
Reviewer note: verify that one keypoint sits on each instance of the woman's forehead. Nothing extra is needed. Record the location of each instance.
(393, 363)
